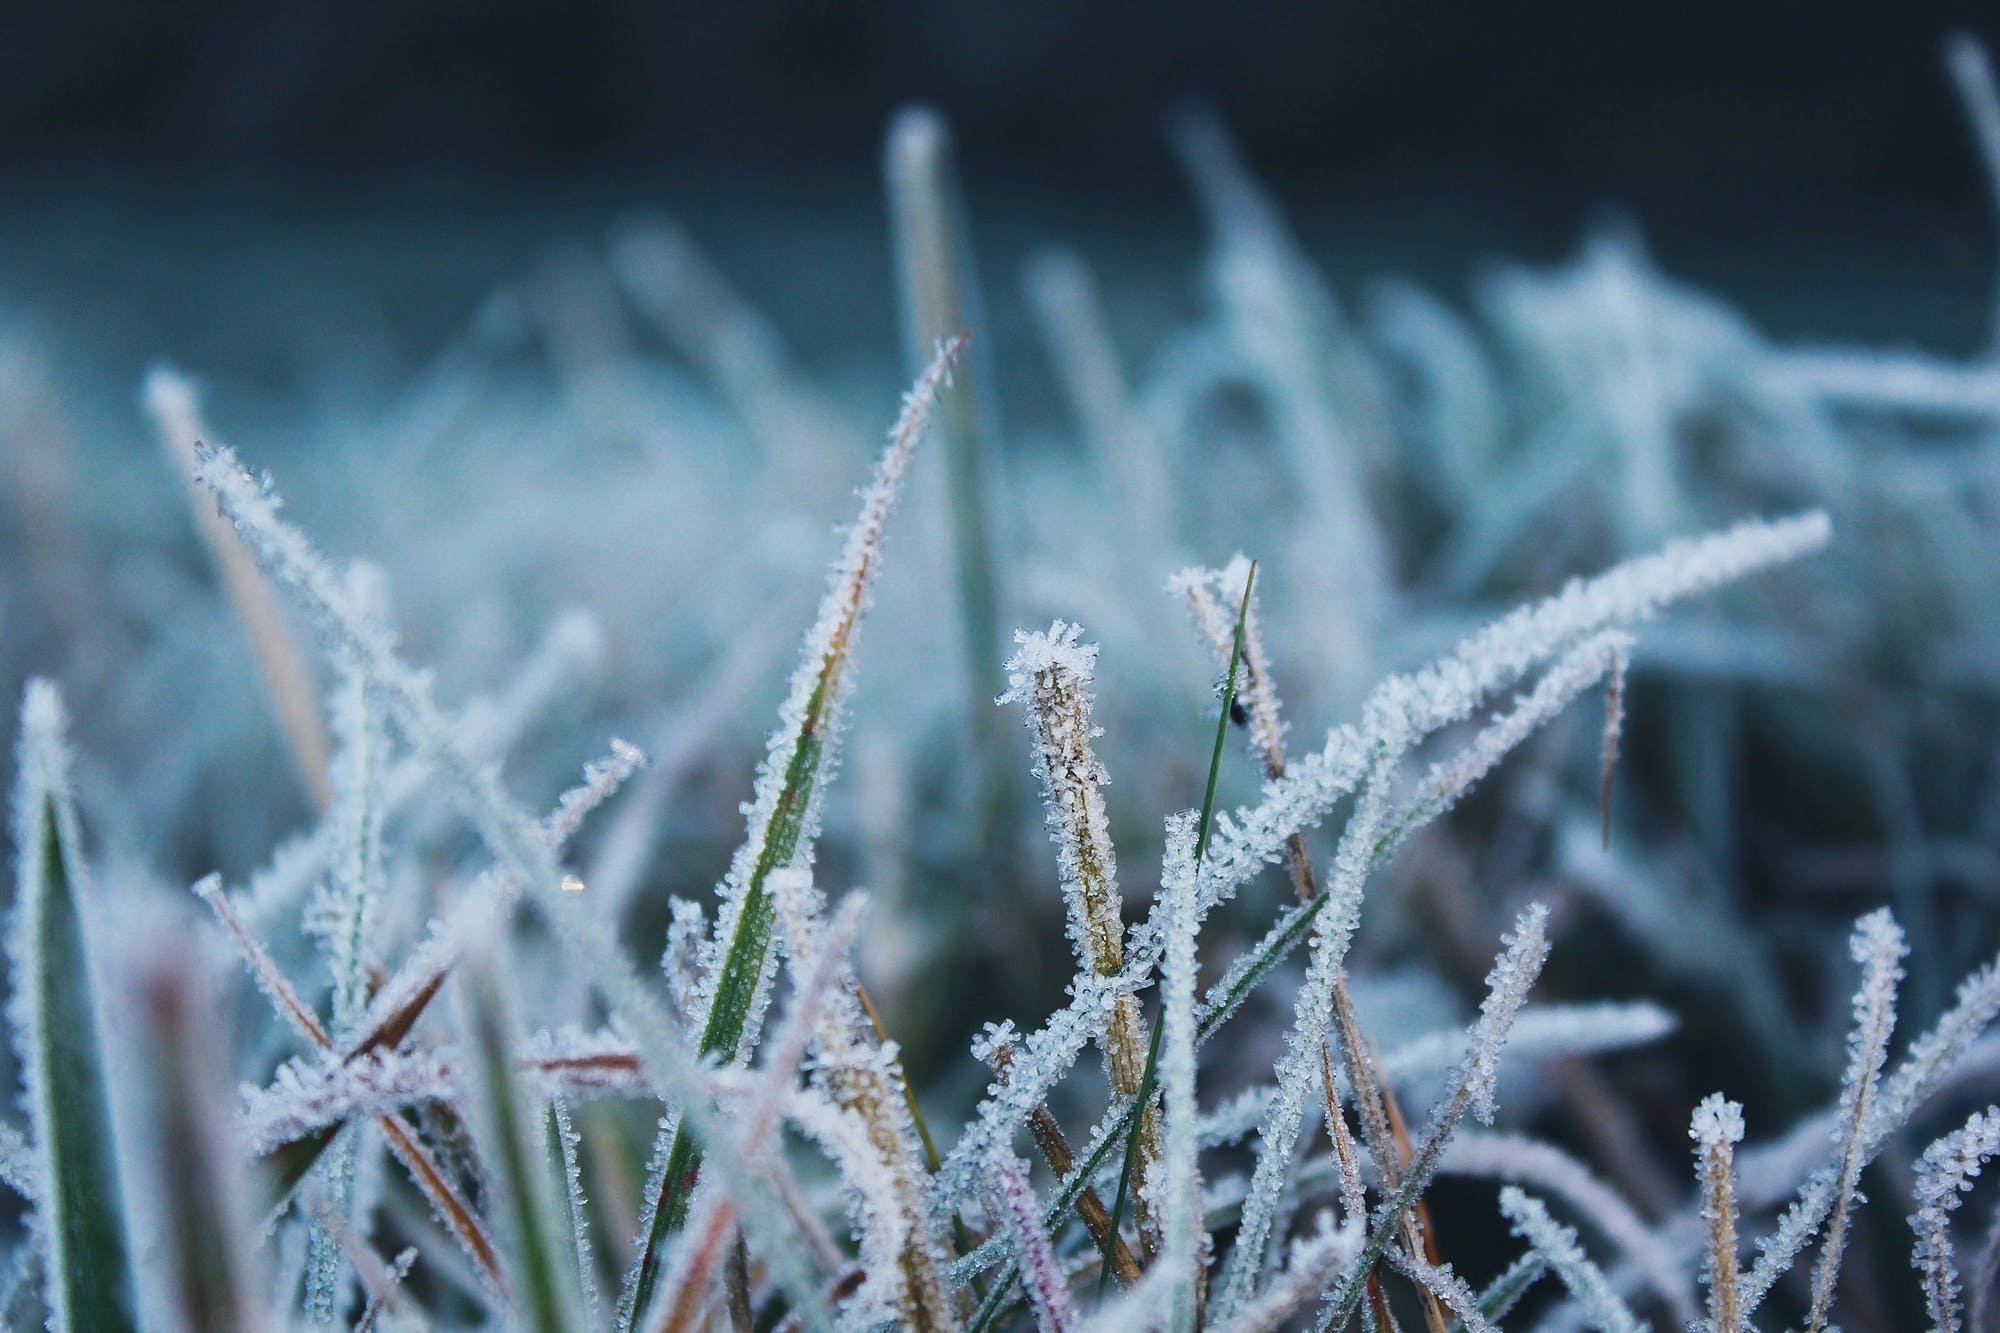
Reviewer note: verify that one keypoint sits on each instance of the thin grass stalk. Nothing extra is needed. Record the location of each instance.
(1179, 1166)
(172, 402)
(1878, 946)
(1048, 1288)
(940, 296)
(1504, 1292)
(563, 1142)
(1557, 1244)
(546, 1299)
(1717, 1129)
(381, 1300)
(1513, 974)
(1229, 686)
(1944, 1173)
(1299, 1283)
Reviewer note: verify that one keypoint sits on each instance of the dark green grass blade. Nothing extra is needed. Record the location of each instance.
(80, 1211)
(546, 1300)
(1146, 1084)
(735, 991)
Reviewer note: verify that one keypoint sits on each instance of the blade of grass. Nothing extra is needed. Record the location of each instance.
(788, 792)
(80, 1215)
(940, 296)
(280, 1173)
(175, 408)
(1147, 1083)
(195, 1173)
(960, 1237)
(545, 1299)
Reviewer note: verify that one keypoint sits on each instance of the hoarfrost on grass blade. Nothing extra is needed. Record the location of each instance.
(1178, 1204)
(1716, 1130)
(1507, 985)
(1946, 1171)
(576, 1211)
(1448, 1287)
(864, 1077)
(1051, 676)
(1041, 1272)
(1557, 1244)
(1301, 1278)
(1888, 1107)
(1878, 946)
(1438, 695)
(515, 838)
(784, 812)
(1519, 1160)
(1504, 1292)
(54, 1009)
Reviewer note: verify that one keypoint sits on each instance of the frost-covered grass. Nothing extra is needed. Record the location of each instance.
(1404, 1015)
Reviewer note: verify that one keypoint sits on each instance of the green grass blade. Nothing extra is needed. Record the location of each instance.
(1146, 1085)
(80, 1215)
(563, 1143)
(940, 297)
(789, 808)
(545, 1297)
(742, 973)
(1222, 720)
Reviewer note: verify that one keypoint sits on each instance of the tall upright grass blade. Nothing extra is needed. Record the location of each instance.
(1200, 850)
(193, 1168)
(1879, 947)
(80, 1213)
(172, 402)
(784, 817)
(547, 1295)
(1052, 676)
(564, 1140)
(1717, 1129)
(940, 296)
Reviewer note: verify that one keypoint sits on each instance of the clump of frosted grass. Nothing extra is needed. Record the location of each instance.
(483, 1160)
